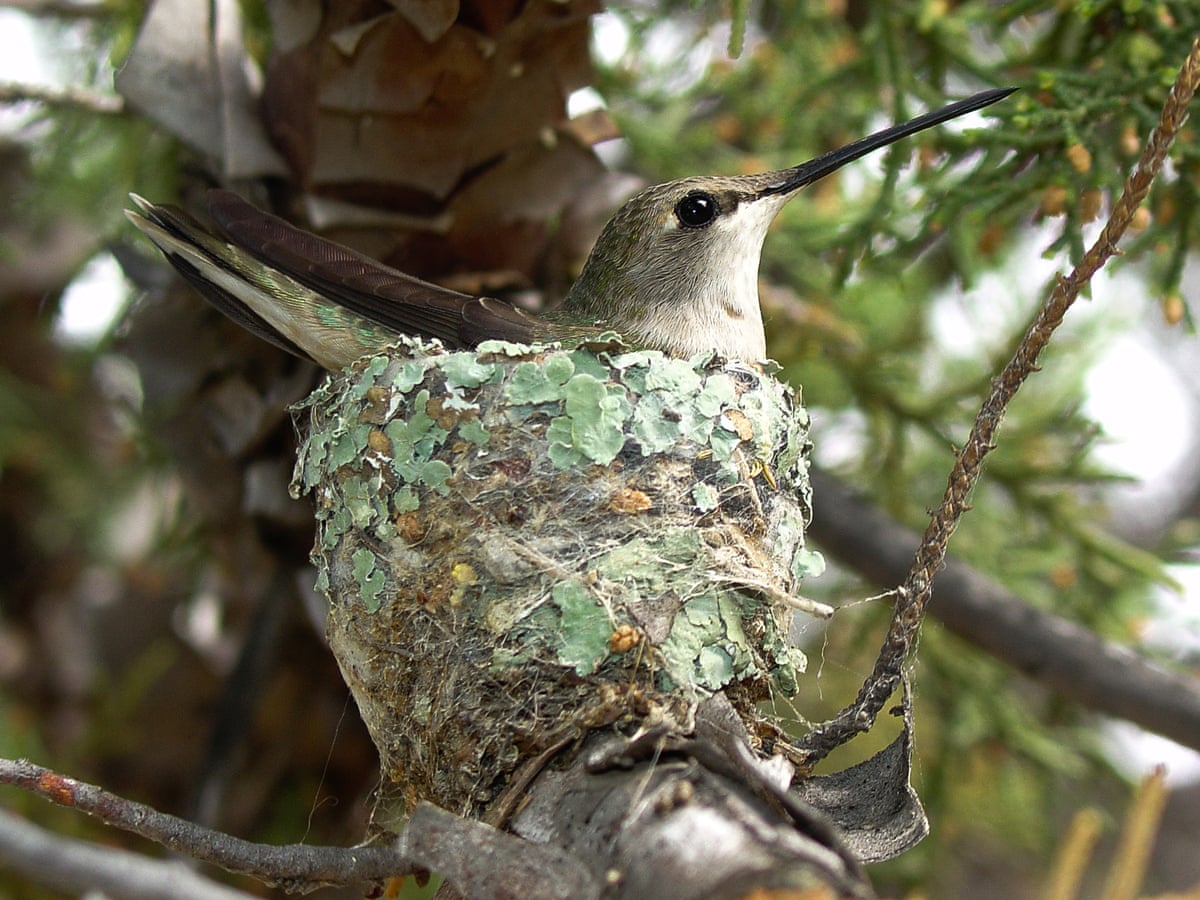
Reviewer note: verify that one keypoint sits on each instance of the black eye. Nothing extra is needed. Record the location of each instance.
(696, 210)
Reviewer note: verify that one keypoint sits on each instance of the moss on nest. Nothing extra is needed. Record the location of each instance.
(524, 542)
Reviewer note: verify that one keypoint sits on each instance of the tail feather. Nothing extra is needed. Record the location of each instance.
(162, 228)
(313, 297)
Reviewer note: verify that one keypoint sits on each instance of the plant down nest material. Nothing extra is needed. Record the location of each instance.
(522, 543)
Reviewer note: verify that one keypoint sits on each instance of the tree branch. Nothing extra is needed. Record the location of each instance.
(296, 867)
(72, 865)
(59, 9)
(1070, 659)
(913, 596)
(479, 860)
(12, 92)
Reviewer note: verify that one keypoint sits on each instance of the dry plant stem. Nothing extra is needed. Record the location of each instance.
(1073, 856)
(296, 866)
(914, 595)
(1137, 838)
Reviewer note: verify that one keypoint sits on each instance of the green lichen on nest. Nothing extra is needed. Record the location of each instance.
(547, 529)
(657, 403)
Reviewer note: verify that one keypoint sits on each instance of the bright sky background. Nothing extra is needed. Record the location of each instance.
(1137, 396)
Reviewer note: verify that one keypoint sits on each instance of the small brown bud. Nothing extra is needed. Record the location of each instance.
(379, 442)
(624, 639)
(1064, 576)
(1080, 158)
(1090, 202)
(409, 528)
(630, 501)
(728, 128)
(1054, 200)
(1130, 143)
(1172, 309)
(991, 239)
(1164, 212)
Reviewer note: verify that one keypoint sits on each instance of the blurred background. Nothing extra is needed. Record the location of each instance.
(159, 634)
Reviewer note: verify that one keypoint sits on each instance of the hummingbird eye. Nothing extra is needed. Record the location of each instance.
(697, 210)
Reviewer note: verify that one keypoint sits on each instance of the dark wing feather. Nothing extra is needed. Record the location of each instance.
(366, 286)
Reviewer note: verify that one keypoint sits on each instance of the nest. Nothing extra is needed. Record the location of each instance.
(522, 543)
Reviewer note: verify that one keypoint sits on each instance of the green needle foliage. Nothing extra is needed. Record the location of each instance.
(864, 259)
(859, 266)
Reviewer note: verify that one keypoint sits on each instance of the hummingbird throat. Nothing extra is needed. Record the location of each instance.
(718, 304)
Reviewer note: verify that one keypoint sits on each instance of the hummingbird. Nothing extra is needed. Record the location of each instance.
(676, 270)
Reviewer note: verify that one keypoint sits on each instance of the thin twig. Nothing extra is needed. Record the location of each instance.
(1132, 854)
(76, 866)
(473, 856)
(1063, 656)
(12, 93)
(914, 595)
(59, 9)
(293, 866)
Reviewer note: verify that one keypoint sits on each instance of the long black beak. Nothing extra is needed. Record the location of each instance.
(808, 172)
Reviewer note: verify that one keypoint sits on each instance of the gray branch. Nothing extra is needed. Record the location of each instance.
(77, 97)
(72, 865)
(295, 866)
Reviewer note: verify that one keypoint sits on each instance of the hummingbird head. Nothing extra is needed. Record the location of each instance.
(676, 268)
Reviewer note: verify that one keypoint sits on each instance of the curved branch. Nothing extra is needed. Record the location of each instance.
(12, 92)
(917, 586)
(1065, 656)
(478, 859)
(297, 867)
